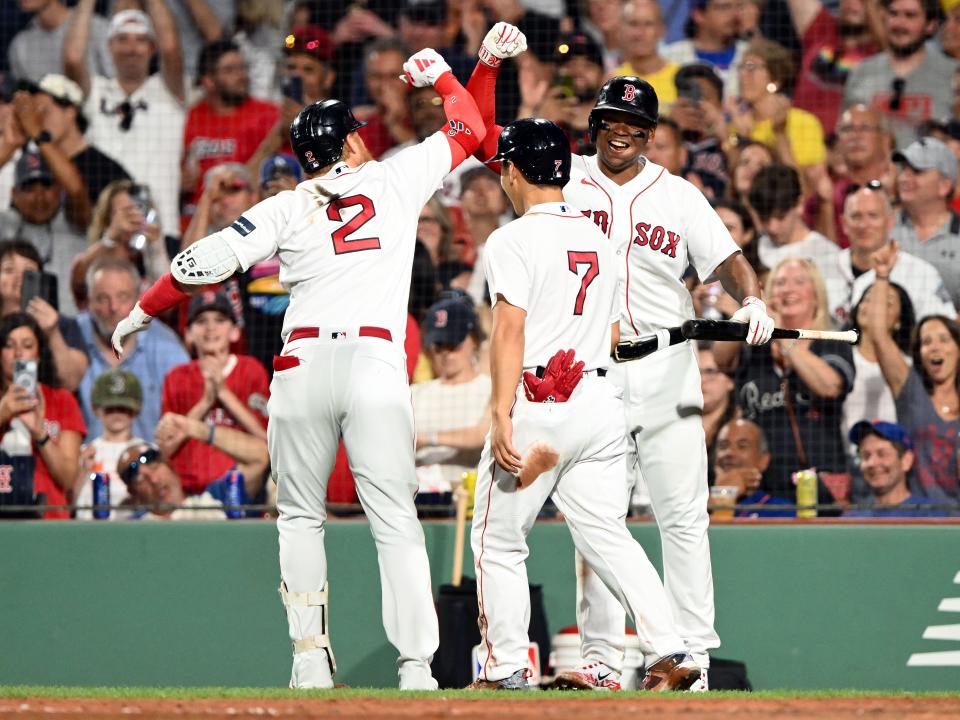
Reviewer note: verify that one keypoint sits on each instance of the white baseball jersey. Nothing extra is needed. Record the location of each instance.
(341, 259)
(554, 264)
(659, 224)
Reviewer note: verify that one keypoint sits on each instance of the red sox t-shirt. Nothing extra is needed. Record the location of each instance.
(197, 463)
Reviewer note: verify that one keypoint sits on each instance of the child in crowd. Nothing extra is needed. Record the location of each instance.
(117, 398)
(218, 387)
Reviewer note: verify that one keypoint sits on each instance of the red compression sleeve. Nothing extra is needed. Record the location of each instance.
(466, 130)
(164, 294)
(482, 85)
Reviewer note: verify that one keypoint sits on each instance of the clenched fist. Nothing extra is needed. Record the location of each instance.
(502, 41)
(424, 68)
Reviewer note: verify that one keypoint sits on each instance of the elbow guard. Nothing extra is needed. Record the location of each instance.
(207, 261)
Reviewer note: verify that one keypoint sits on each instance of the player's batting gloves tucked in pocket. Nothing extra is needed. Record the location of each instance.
(560, 378)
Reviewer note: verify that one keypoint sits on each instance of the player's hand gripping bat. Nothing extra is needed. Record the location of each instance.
(716, 330)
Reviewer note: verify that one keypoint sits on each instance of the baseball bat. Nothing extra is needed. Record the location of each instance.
(627, 350)
(729, 330)
(462, 497)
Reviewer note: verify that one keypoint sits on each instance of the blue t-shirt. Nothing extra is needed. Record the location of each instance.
(720, 59)
(762, 498)
(906, 509)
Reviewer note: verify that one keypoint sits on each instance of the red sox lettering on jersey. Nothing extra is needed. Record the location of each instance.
(658, 224)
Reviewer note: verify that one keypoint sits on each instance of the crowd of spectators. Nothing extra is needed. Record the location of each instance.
(826, 134)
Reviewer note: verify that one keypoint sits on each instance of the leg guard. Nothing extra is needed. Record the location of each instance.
(307, 612)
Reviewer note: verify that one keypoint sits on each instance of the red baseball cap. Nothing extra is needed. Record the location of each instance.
(311, 40)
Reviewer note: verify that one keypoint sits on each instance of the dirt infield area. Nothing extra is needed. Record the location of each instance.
(547, 707)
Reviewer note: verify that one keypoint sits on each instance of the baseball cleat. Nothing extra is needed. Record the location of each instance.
(517, 681)
(702, 684)
(590, 676)
(672, 672)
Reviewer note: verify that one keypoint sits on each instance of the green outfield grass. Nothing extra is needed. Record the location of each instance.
(174, 693)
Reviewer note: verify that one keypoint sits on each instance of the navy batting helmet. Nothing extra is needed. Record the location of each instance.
(628, 94)
(318, 132)
(539, 149)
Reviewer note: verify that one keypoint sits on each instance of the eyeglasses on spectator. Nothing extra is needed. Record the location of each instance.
(130, 472)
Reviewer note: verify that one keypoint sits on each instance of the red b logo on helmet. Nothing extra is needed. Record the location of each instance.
(629, 92)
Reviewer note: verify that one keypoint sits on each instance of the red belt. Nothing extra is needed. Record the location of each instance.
(364, 331)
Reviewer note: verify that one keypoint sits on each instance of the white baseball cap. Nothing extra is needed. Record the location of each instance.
(61, 88)
(131, 21)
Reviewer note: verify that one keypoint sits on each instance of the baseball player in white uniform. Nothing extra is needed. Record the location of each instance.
(657, 224)
(553, 281)
(345, 239)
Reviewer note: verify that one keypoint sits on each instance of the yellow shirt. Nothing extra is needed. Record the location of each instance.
(804, 133)
(662, 81)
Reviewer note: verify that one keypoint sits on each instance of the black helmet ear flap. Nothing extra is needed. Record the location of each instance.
(538, 148)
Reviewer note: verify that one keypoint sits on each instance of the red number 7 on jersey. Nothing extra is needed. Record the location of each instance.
(574, 260)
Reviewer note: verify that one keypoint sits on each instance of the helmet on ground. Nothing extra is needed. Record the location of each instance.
(628, 94)
(539, 149)
(317, 134)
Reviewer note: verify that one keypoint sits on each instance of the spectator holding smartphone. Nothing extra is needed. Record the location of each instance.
(42, 420)
(17, 258)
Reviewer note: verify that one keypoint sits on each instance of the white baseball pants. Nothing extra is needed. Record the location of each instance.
(588, 486)
(357, 387)
(665, 428)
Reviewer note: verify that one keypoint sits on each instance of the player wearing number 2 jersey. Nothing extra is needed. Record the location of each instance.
(656, 224)
(553, 281)
(345, 239)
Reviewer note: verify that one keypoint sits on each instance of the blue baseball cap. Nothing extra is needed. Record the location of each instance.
(449, 322)
(279, 165)
(886, 430)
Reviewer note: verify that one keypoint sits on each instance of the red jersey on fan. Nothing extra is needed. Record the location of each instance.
(212, 138)
(197, 463)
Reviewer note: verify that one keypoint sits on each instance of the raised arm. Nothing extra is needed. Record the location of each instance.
(501, 42)
(465, 130)
(168, 45)
(75, 43)
(803, 13)
(206, 20)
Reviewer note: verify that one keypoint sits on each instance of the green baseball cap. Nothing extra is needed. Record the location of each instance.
(117, 388)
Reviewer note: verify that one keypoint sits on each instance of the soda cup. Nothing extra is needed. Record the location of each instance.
(101, 495)
(806, 482)
(235, 495)
(469, 480)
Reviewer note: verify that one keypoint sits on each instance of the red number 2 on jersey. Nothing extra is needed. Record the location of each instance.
(341, 244)
(574, 260)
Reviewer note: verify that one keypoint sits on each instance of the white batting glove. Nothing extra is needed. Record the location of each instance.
(503, 41)
(754, 312)
(424, 67)
(136, 321)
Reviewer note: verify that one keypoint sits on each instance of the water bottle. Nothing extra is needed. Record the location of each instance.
(101, 495)
(235, 495)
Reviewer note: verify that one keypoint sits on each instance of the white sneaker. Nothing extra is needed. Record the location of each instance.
(416, 675)
(589, 676)
(311, 669)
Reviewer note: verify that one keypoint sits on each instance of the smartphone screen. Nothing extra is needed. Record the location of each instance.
(25, 375)
(29, 288)
(293, 88)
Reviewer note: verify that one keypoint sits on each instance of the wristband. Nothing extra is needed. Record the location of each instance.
(42, 441)
(213, 429)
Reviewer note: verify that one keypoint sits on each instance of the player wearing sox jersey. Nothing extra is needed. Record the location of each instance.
(345, 239)
(553, 281)
(657, 225)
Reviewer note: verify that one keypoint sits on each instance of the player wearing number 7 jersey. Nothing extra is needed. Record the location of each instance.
(657, 224)
(345, 239)
(553, 281)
